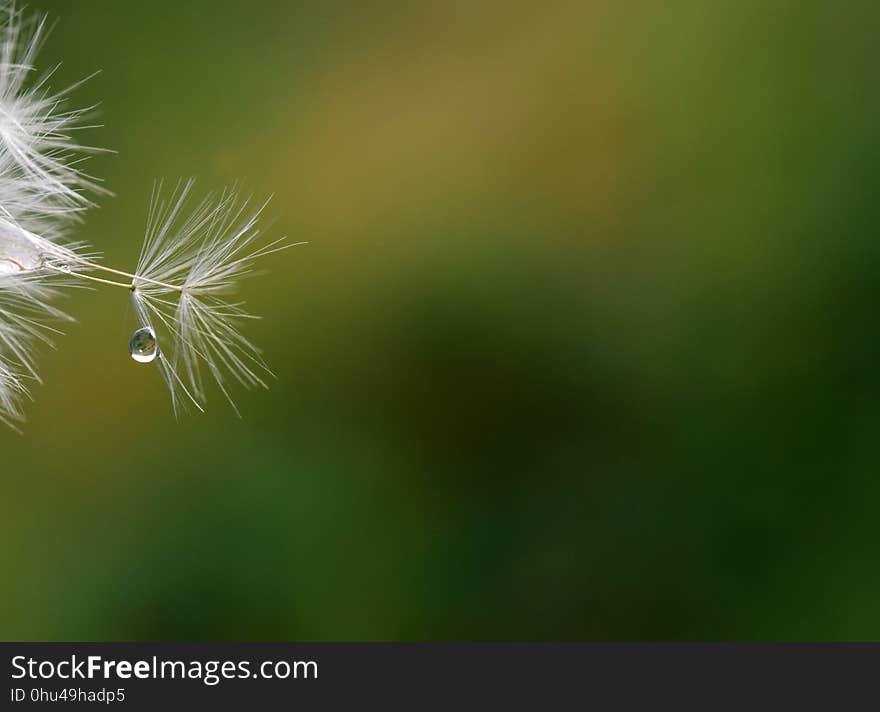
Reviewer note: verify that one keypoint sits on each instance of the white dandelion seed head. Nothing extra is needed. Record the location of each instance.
(43, 190)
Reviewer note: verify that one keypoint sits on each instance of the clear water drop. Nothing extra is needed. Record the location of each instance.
(143, 346)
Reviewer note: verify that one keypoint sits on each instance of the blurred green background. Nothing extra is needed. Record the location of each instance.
(581, 347)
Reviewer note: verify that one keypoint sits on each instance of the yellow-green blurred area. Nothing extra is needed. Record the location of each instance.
(582, 346)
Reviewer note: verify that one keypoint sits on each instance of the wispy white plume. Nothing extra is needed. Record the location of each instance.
(26, 317)
(41, 178)
(12, 392)
(190, 265)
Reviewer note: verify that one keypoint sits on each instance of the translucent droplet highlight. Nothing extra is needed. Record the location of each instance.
(143, 346)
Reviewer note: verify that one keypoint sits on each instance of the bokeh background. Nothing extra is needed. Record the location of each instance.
(583, 344)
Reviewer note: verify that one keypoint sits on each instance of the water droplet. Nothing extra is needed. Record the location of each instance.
(143, 346)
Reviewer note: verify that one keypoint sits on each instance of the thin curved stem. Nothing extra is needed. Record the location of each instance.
(82, 275)
(110, 270)
(133, 277)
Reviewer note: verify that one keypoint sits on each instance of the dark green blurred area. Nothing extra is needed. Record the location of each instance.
(581, 347)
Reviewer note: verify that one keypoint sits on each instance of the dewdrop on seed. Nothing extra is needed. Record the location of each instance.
(143, 346)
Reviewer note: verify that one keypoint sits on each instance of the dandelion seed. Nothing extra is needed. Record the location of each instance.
(189, 266)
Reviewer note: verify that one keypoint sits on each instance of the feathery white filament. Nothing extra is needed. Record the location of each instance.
(42, 173)
(188, 267)
(42, 191)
